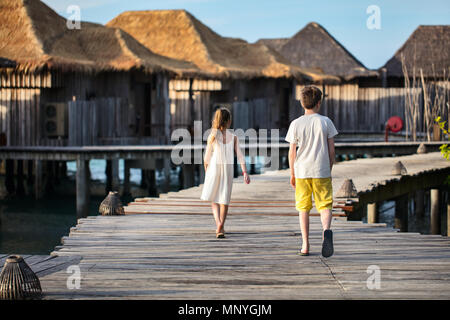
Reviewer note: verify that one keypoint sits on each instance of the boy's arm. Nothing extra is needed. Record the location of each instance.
(331, 152)
(292, 154)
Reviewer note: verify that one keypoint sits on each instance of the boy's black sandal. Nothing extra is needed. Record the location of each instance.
(327, 245)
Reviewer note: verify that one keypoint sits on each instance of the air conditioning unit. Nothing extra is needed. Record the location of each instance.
(55, 119)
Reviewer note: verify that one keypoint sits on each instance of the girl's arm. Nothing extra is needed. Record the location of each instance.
(241, 159)
(208, 152)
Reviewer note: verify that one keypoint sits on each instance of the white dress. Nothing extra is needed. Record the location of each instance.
(219, 173)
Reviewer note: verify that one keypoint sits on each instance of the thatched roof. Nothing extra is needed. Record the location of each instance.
(427, 48)
(274, 43)
(313, 47)
(36, 37)
(179, 35)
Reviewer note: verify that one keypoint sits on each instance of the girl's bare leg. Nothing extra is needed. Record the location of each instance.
(216, 213)
(304, 227)
(223, 216)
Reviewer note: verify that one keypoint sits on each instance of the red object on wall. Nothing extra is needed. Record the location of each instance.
(394, 124)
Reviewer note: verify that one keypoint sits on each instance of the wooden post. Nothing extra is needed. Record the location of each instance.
(166, 170)
(126, 178)
(82, 187)
(38, 180)
(9, 178)
(419, 203)
(112, 175)
(434, 212)
(372, 213)
(401, 213)
(20, 188)
(188, 175)
(115, 174)
(49, 185)
(30, 175)
(201, 171)
(151, 183)
(252, 165)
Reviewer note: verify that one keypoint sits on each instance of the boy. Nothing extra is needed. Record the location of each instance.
(311, 166)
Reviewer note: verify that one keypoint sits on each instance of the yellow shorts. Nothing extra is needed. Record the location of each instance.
(322, 190)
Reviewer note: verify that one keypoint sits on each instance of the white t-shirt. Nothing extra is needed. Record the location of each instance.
(311, 133)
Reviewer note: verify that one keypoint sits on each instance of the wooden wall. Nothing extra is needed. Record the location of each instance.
(107, 95)
(255, 103)
(355, 109)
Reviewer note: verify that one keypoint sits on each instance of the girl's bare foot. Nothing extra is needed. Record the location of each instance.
(305, 250)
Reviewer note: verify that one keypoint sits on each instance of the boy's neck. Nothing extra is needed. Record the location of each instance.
(314, 110)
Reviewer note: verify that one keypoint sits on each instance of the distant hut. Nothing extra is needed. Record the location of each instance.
(95, 85)
(361, 103)
(314, 47)
(425, 53)
(428, 49)
(252, 79)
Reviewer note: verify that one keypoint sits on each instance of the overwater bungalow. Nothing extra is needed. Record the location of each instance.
(252, 79)
(422, 65)
(87, 86)
(426, 49)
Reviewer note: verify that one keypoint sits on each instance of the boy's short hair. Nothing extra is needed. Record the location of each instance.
(310, 96)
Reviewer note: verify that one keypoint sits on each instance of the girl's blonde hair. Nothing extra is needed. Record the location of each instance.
(222, 117)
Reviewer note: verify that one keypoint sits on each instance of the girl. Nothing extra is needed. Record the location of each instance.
(219, 159)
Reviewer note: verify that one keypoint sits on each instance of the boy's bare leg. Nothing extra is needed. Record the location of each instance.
(304, 227)
(325, 217)
(223, 217)
(216, 213)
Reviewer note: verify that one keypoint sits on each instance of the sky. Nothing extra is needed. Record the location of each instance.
(372, 37)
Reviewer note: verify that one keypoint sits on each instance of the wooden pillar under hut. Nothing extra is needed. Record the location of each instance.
(20, 187)
(38, 179)
(126, 179)
(188, 172)
(401, 213)
(9, 176)
(372, 213)
(82, 188)
(434, 212)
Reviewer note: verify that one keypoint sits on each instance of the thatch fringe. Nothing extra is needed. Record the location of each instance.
(37, 38)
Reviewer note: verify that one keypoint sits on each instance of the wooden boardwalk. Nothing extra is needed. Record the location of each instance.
(176, 256)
